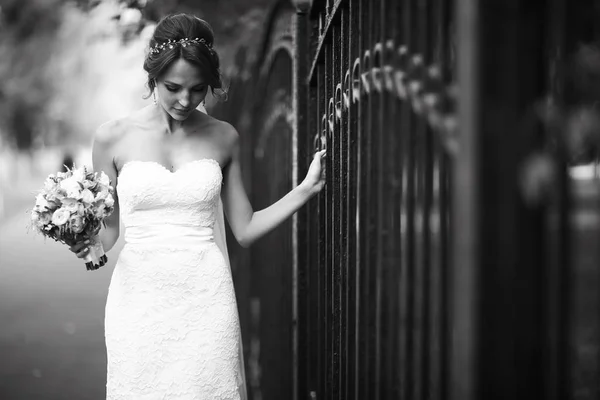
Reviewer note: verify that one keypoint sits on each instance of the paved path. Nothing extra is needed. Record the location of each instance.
(51, 318)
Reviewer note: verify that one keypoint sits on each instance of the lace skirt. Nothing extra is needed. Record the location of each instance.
(171, 325)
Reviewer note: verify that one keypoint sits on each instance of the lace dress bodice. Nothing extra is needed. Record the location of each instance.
(162, 197)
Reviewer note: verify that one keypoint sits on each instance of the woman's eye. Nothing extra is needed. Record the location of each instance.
(200, 89)
(171, 89)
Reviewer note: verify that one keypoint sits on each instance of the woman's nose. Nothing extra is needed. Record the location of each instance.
(184, 99)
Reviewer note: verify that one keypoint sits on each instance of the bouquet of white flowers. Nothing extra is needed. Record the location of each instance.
(71, 207)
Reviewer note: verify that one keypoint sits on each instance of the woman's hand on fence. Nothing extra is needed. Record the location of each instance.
(315, 177)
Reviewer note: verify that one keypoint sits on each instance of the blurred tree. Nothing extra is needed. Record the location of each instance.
(22, 19)
(26, 31)
(68, 66)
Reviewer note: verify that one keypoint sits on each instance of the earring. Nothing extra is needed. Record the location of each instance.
(154, 92)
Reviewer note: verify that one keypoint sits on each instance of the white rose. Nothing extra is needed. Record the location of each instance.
(78, 175)
(102, 195)
(44, 218)
(103, 179)
(110, 201)
(49, 185)
(60, 217)
(87, 196)
(41, 203)
(71, 205)
(72, 187)
(87, 184)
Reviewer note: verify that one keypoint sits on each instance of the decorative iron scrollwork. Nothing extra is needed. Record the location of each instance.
(395, 70)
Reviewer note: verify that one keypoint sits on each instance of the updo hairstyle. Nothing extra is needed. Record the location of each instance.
(181, 26)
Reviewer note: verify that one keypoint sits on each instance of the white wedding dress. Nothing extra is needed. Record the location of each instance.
(172, 328)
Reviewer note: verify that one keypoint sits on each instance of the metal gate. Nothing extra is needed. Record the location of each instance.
(374, 267)
(438, 262)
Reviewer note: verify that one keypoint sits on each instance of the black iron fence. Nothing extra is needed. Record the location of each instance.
(439, 262)
(373, 270)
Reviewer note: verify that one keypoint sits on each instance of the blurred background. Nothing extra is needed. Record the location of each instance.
(455, 251)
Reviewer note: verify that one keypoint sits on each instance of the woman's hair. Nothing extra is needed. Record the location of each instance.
(186, 27)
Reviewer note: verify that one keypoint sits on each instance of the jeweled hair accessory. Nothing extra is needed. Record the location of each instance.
(169, 44)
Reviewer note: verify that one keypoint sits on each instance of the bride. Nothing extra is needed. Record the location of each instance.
(171, 323)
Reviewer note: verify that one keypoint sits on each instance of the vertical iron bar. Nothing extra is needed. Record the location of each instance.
(302, 293)
(370, 266)
(322, 355)
(446, 206)
(432, 389)
(388, 206)
(558, 312)
(376, 29)
(406, 287)
(344, 214)
(392, 256)
(411, 211)
(313, 250)
(363, 360)
(335, 204)
(419, 44)
(426, 14)
(328, 239)
(463, 378)
(354, 124)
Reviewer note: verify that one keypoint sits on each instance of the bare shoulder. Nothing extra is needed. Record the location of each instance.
(221, 132)
(226, 131)
(109, 132)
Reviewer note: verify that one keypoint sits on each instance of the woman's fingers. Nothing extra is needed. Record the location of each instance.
(78, 246)
(83, 252)
(81, 249)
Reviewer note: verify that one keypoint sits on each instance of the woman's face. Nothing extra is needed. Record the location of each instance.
(181, 89)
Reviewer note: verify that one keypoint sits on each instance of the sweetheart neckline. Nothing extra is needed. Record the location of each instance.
(183, 166)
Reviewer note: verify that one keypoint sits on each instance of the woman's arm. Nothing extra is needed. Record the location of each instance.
(247, 225)
(102, 160)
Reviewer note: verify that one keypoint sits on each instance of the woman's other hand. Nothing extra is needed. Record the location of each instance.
(81, 249)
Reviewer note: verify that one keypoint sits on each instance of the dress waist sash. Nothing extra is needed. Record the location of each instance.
(168, 234)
